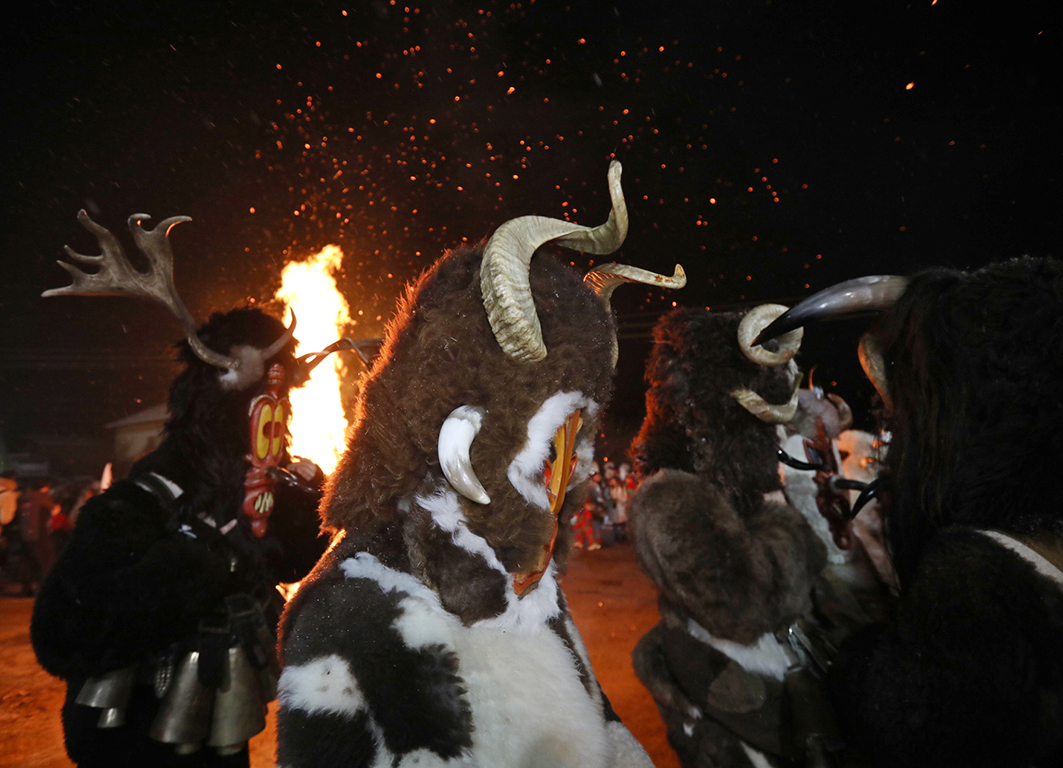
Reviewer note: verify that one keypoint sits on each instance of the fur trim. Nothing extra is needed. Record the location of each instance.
(765, 656)
(526, 470)
(521, 614)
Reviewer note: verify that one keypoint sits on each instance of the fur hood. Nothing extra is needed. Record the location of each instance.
(693, 423)
(439, 353)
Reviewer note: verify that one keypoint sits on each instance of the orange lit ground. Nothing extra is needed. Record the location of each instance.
(611, 600)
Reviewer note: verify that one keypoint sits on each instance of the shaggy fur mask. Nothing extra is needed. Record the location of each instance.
(439, 353)
(693, 424)
(974, 366)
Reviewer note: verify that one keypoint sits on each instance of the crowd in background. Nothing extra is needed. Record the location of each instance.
(36, 519)
(603, 519)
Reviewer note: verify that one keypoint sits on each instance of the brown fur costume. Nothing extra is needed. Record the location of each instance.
(439, 353)
(733, 561)
(411, 643)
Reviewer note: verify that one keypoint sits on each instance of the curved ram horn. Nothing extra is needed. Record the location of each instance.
(455, 439)
(607, 277)
(765, 411)
(504, 277)
(754, 322)
(864, 294)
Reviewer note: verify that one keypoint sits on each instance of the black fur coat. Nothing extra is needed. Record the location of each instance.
(970, 672)
(143, 573)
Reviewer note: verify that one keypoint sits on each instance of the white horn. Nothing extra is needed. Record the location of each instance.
(755, 321)
(455, 440)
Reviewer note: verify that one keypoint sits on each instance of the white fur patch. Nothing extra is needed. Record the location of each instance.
(581, 651)
(422, 625)
(1040, 563)
(525, 614)
(764, 657)
(446, 513)
(756, 757)
(627, 752)
(425, 758)
(323, 685)
(251, 369)
(364, 566)
(584, 460)
(529, 706)
(526, 470)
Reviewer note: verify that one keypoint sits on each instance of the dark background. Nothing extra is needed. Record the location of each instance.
(771, 147)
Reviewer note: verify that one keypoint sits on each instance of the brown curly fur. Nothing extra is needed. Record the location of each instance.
(439, 353)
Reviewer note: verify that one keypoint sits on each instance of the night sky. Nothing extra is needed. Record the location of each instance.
(773, 148)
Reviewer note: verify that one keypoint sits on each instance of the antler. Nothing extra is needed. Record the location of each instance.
(118, 277)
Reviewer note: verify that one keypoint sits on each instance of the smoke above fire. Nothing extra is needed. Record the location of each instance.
(308, 288)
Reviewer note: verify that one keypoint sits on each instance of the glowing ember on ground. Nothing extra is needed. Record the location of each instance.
(309, 289)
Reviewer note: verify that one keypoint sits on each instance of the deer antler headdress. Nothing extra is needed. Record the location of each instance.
(118, 277)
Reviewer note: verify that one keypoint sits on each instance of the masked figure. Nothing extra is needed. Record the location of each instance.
(735, 564)
(161, 614)
(969, 366)
(435, 633)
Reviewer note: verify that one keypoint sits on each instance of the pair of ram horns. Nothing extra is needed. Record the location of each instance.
(506, 288)
(781, 353)
(505, 277)
(118, 277)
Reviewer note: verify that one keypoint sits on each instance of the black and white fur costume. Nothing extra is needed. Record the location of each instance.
(410, 644)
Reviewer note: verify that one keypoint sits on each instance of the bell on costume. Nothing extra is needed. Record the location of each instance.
(239, 706)
(184, 717)
(109, 692)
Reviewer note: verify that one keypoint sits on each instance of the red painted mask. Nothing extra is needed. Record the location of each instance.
(269, 433)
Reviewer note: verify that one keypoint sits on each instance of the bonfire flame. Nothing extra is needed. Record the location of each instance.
(318, 423)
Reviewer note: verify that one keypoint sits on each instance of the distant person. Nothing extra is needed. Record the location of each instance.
(8, 508)
(90, 490)
(37, 552)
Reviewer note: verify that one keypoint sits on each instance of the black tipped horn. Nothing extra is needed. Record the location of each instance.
(864, 294)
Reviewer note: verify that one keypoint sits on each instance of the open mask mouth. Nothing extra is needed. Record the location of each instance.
(558, 470)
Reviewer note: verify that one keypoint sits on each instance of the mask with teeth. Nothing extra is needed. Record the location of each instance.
(269, 431)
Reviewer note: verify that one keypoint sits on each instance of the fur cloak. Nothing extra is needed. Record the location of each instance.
(970, 671)
(144, 574)
(734, 563)
(408, 645)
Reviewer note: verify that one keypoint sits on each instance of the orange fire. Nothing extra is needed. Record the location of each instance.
(318, 422)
